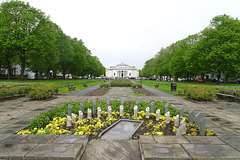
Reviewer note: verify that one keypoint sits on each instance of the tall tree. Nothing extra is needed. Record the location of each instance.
(79, 61)
(65, 51)
(147, 70)
(221, 45)
(21, 20)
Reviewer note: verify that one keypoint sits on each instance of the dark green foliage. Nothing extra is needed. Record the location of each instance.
(42, 92)
(121, 83)
(214, 50)
(14, 91)
(137, 85)
(29, 38)
(200, 93)
(105, 85)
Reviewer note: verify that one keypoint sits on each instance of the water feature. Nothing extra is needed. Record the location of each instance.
(122, 129)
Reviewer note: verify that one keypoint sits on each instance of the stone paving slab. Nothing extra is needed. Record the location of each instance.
(164, 151)
(236, 128)
(13, 139)
(15, 151)
(204, 139)
(99, 149)
(71, 139)
(4, 136)
(223, 131)
(39, 139)
(200, 151)
(233, 141)
(13, 128)
(170, 139)
(55, 152)
(146, 139)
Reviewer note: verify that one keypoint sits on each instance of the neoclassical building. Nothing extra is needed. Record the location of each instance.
(122, 71)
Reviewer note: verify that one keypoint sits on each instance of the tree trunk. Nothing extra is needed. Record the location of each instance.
(64, 73)
(9, 71)
(48, 74)
(176, 78)
(219, 77)
(22, 70)
(36, 75)
(54, 74)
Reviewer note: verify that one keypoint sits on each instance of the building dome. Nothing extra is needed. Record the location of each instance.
(122, 64)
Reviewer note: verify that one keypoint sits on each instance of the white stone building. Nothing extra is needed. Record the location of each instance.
(122, 71)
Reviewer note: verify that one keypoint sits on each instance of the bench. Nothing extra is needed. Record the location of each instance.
(231, 97)
(71, 87)
(84, 84)
(157, 85)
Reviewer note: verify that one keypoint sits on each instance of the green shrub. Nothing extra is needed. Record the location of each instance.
(42, 92)
(105, 85)
(134, 86)
(24, 90)
(14, 91)
(3, 93)
(139, 85)
(121, 83)
(200, 93)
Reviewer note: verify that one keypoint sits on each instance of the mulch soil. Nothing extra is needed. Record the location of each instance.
(98, 92)
(143, 91)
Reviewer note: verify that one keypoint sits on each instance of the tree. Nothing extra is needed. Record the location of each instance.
(221, 45)
(20, 20)
(79, 61)
(147, 70)
(65, 51)
(44, 57)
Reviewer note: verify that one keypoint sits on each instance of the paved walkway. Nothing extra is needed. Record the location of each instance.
(222, 117)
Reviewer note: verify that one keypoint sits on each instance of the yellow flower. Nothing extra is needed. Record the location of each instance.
(194, 133)
(88, 133)
(174, 129)
(81, 133)
(159, 133)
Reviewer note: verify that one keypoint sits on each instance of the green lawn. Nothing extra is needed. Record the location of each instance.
(166, 86)
(63, 88)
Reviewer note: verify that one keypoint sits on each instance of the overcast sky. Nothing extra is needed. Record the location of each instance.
(132, 31)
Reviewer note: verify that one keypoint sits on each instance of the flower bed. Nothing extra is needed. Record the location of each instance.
(54, 121)
(16, 91)
(42, 92)
(200, 93)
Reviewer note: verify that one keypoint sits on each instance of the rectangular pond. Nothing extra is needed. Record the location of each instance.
(122, 129)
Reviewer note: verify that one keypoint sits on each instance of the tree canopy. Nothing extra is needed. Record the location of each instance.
(29, 38)
(216, 49)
